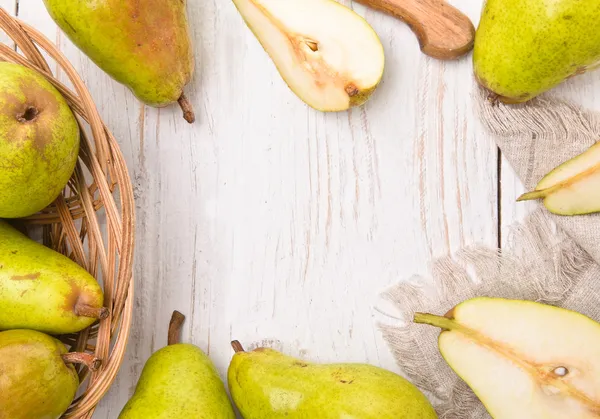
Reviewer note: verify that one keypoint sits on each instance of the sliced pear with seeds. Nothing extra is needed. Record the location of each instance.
(327, 54)
(523, 359)
(573, 188)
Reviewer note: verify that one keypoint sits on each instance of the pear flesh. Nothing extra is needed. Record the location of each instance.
(573, 188)
(39, 141)
(525, 47)
(268, 384)
(36, 379)
(523, 359)
(330, 66)
(143, 44)
(179, 381)
(43, 290)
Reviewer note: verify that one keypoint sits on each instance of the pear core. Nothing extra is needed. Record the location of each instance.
(545, 360)
(330, 67)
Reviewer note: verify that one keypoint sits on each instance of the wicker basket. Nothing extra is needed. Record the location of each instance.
(86, 223)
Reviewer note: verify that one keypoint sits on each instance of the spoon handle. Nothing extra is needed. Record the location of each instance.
(443, 31)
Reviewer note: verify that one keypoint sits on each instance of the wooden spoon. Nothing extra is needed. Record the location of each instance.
(443, 31)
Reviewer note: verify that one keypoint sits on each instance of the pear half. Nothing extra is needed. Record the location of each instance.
(327, 54)
(524, 360)
(573, 188)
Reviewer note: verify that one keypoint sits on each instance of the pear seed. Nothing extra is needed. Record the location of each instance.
(561, 371)
(312, 45)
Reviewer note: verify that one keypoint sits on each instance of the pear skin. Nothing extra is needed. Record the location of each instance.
(143, 44)
(525, 47)
(37, 378)
(265, 383)
(39, 141)
(43, 290)
(179, 381)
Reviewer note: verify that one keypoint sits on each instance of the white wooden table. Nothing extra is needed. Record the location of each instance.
(274, 224)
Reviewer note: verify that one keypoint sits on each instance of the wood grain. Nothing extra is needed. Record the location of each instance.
(278, 225)
(443, 31)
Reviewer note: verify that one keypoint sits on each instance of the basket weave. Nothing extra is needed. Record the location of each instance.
(86, 222)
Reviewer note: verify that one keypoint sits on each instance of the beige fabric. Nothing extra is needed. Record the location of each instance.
(550, 259)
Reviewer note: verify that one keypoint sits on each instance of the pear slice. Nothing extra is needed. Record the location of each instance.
(327, 54)
(524, 360)
(573, 188)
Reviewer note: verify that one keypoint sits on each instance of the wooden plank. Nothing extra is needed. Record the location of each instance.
(11, 7)
(275, 224)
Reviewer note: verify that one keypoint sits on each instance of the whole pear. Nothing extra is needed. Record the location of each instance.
(265, 383)
(178, 381)
(525, 47)
(143, 44)
(37, 378)
(39, 141)
(43, 290)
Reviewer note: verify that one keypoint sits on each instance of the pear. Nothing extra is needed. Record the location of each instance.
(268, 384)
(178, 381)
(39, 141)
(43, 290)
(37, 377)
(523, 359)
(143, 44)
(331, 67)
(572, 188)
(525, 47)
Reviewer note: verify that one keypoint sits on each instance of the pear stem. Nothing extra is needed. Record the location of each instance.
(533, 195)
(175, 324)
(186, 107)
(88, 360)
(437, 321)
(237, 346)
(85, 310)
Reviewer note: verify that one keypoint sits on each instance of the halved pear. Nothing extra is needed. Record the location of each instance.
(524, 360)
(573, 188)
(326, 53)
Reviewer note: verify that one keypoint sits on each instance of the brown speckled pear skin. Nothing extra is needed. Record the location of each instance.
(43, 290)
(39, 141)
(144, 44)
(179, 381)
(525, 47)
(35, 382)
(268, 384)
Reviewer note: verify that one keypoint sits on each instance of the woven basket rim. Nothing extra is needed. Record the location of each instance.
(82, 204)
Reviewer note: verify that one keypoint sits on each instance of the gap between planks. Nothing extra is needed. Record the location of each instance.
(499, 196)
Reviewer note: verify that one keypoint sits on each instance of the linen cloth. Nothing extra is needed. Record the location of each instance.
(551, 259)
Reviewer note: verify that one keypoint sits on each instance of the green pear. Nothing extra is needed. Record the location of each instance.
(37, 377)
(523, 359)
(525, 47)
(331, 67)
(265, 383)
(39, 141)
(43, 290)
(178, 381)
(143, 44)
